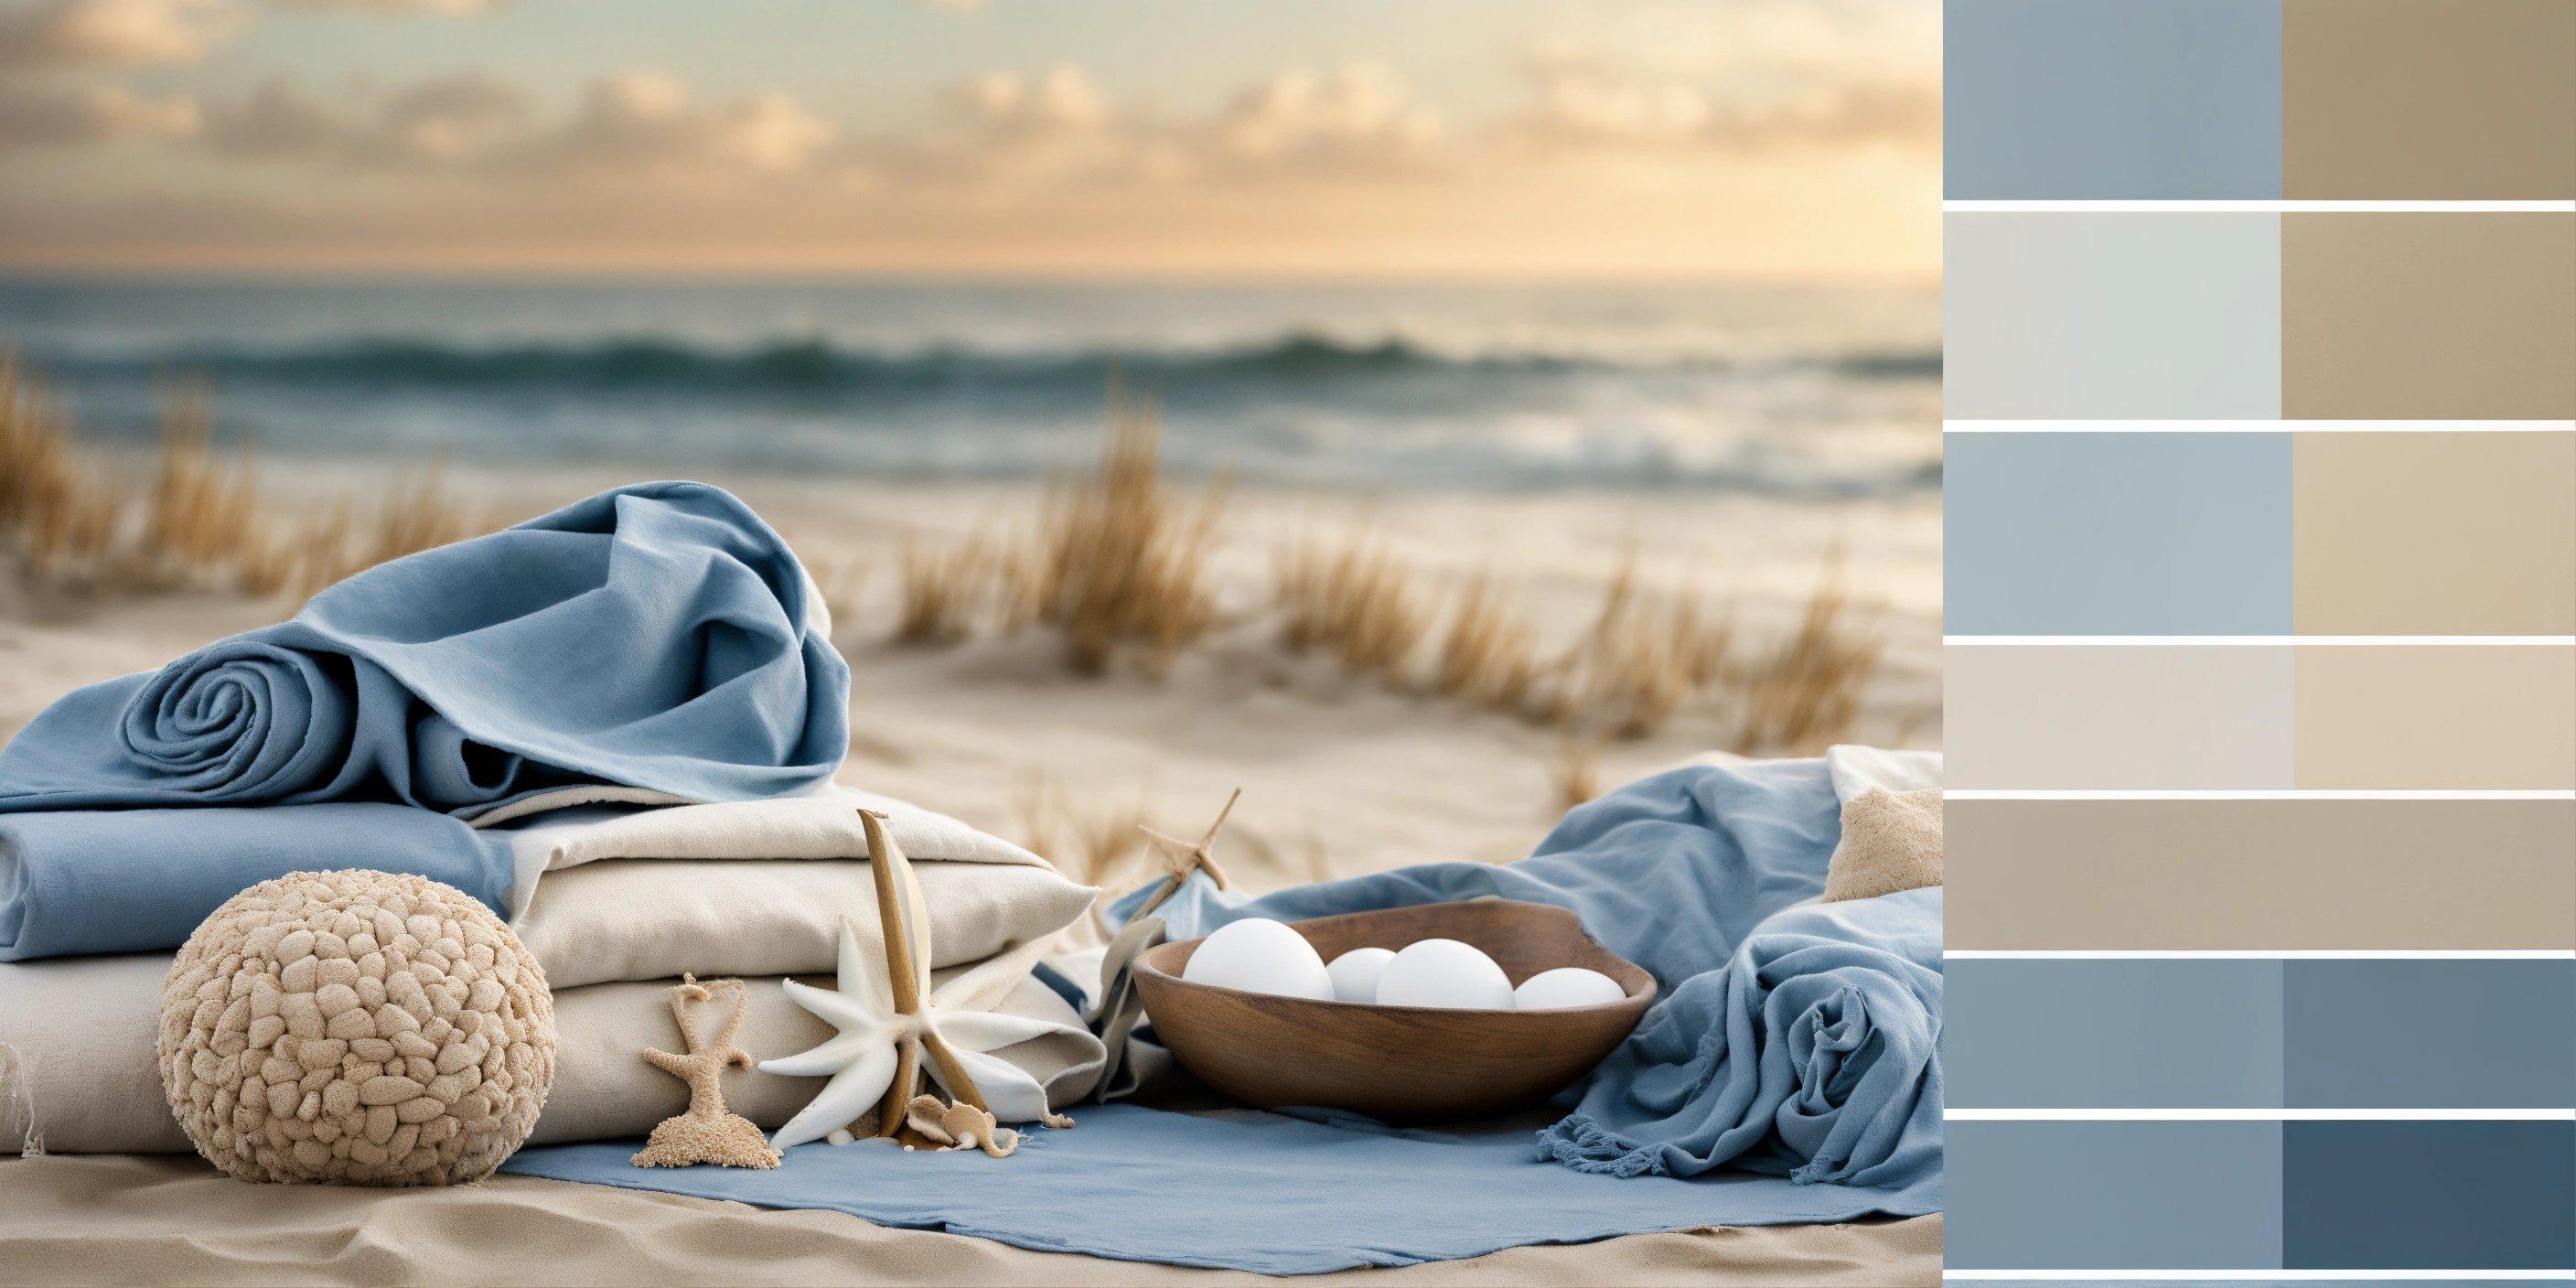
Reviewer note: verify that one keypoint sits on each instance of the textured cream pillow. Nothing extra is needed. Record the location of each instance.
(1891, 842)
(358, 1028)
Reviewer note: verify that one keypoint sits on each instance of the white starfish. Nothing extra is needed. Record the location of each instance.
(888, 1017)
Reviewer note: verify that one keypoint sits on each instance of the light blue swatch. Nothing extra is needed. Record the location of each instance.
(2169, 315)
(2114, 1196)
(2116, 534)
(2127, 99)
(2112, 1033)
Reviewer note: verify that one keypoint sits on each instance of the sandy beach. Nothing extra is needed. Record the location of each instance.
(1342, 773)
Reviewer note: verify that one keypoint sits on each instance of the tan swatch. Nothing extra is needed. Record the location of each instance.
(2435, 534)
(2437, 717)
(2262, 874)
(2454, 100)
(2416, 316)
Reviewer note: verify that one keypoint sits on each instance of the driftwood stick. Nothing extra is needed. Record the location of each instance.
(885, 857)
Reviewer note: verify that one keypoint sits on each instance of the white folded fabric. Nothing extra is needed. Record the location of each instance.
(83, 1029)
(657, 918)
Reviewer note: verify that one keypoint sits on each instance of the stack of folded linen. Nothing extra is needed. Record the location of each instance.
(615, 725)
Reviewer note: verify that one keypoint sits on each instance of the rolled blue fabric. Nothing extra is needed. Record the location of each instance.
(658, 636)
(140, 880)
(1813, 1055)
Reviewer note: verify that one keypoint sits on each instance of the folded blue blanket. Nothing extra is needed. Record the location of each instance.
(658, 636)
(1792, 1040)
(1814, 1054)
(115, 881)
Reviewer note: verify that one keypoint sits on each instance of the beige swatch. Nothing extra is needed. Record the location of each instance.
(2455, 100)
(2437, 717)
(2447, 316)
(2262, 874)
(2113, 718)
(2435, 534)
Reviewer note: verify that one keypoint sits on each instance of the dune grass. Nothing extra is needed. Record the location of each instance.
(1353, 600)
(1121, 555)
(940, 593)
(60, 514)
(1488, 653)
(199, 521)
(1807, 692)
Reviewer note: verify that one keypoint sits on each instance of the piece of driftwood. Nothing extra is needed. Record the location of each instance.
(1181, 858)
(1400, 1063)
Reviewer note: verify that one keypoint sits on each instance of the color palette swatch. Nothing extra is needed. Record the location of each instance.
(2252, 99)
(2260, 700)
(2259, 315)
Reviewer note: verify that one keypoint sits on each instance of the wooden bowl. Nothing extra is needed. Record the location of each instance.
(1399, 1063)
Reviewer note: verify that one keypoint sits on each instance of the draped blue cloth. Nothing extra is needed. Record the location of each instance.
(1813, 1055)
(658, 636)
(1792, 1040)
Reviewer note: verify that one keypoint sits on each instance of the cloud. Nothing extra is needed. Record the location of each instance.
(646, 122)
(446, 121)
(635, 123)
(1361, 116)
(32, 117)
(114, 33)
(1755, 76)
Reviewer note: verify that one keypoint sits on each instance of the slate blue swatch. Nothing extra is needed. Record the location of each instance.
(2112, 1033)
(2113, 1196)
(2430, 1034)
(2111, 99)
(2117, 534)
(2449, 1195)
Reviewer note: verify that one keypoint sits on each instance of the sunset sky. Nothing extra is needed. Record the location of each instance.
(1702, 139)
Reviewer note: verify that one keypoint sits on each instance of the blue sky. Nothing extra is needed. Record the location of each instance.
(1479, 138)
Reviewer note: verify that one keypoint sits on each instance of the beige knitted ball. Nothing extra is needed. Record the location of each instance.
(356, 1028)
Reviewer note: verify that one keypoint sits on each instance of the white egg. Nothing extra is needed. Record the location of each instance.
(1566, 986)
(1258, 955)
(1355, 973)
(1444, 972)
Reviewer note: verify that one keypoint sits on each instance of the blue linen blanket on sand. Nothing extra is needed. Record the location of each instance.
(658, 637)
(1789, 1075)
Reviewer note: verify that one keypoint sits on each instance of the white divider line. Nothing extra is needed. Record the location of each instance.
(2262, 954)
(2258, 794)
(2266, 1276)
(1958, 1115)
(2261, 641)
(2271, 206)
(2258, 426)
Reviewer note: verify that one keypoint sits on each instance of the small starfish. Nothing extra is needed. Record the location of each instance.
(1180, 858)
(706, 1132)
(889, 1017)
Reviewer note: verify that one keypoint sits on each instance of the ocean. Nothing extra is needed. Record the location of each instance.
(1792, 392)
